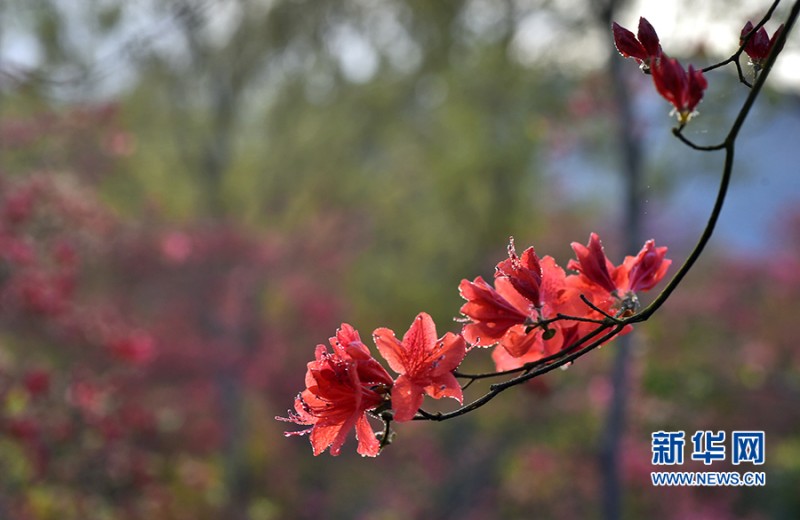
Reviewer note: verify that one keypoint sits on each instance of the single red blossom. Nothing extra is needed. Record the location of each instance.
(646, 49)
(647, 268)
(526, 291)
(425, 364)
(490, 310)
(522, 290)
(341, 386)
(759, 46)
(524, 273)
(593, 265)
(681, 88)
(636, 273)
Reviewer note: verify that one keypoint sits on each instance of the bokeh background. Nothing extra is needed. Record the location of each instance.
(196, 193)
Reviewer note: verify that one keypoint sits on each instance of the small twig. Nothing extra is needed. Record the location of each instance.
(386, 436)
(678, 132)
(594, 307)
(527, 367)
(497, 388)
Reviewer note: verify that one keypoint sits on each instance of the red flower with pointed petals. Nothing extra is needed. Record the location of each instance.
(646, 49)
(759, 45)
(593, 265)
(425, 364)
(527, 289)
(524, 273)
(490, 311)
(521, 291)
(681, 88)
(647, 268)
(341, 386)
(636, 273)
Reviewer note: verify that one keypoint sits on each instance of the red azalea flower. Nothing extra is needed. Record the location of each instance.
(593, 265)
(526, 290)
(491, 311)
(525, 273)
(759, 45)
(523, 288)
(425, 364)
(647, 268)
(636, 273)
(684, 90)
(340, 387)
(645, 50)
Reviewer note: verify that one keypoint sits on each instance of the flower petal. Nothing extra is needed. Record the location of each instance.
(420, 337)
(390, 349)
(446, 385)
(649, 38)
(627, 44)
(347, 343)
(593, 264)
(448, 354)
(518, 342)
(406, 399)
(368, 444)
(323, 435)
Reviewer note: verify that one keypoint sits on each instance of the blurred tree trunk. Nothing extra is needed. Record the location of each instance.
(630, 154)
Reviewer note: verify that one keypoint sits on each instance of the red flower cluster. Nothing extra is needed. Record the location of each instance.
(526, 314)
(684, 89)
(533, 310)
(340, 387)
(343, 385)
(759, 45)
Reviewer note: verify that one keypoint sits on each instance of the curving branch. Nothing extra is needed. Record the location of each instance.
(611, 326)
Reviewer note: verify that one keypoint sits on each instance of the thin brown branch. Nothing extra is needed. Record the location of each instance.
(497, 388)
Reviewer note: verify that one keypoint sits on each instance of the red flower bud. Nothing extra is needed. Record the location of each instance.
(684, 90)
(759, 46)
(646, 49)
